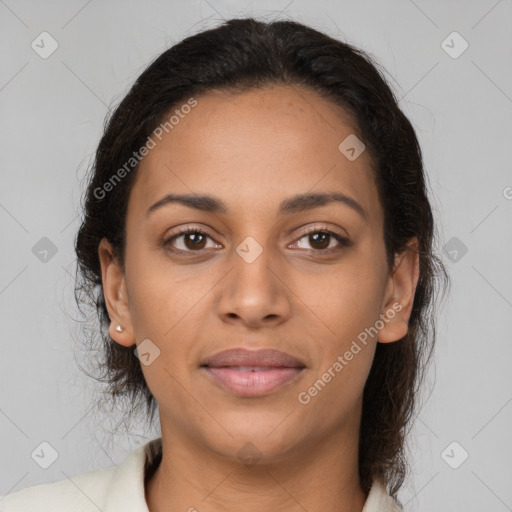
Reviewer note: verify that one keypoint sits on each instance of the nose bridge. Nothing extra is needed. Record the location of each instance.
(255, 262)
(255, 291)
(253, 268)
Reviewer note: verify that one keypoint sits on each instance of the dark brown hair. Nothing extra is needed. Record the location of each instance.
(239, 55)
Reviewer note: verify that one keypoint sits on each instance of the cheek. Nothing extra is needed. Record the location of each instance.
(160, 293)
(350, 306)
(168, 306)
(343, 302)
(345, 347)
(164, 307)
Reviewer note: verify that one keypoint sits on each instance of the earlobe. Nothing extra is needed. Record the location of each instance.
(120, 335)
(114, 291)
(398, 306)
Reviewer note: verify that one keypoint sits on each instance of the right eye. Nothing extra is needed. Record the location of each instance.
(193, 240)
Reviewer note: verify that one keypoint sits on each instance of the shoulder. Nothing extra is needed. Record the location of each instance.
(82, 492)
(111, 489)
(379, 500)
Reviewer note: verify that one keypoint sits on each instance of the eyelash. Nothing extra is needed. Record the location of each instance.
(343, 241)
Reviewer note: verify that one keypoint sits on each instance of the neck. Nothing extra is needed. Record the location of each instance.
(314, 477)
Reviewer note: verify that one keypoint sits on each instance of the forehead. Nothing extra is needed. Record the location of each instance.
(255, 148)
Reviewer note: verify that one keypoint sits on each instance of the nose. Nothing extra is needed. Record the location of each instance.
(255, 293)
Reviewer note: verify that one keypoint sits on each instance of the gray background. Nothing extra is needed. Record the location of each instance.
(52, 113)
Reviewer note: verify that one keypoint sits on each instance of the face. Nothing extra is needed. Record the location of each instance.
(257, 270)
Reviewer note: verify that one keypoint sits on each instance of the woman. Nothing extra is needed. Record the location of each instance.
(258, 233)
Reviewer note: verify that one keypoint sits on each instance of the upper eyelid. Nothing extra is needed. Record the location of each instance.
(311, 229)
(316, 227)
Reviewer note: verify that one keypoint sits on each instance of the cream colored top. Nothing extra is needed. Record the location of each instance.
(121, 489)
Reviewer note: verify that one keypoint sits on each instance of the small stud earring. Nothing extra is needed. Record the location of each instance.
(119, 328)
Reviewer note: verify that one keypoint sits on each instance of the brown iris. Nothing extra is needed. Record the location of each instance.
(325, 240)
(197, 240)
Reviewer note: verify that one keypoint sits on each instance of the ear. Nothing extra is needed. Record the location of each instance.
(116, 297)
(399, 297)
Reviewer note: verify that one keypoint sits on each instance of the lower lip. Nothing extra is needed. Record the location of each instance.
(252, 383)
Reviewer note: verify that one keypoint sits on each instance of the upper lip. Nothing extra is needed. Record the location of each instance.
(260, 358)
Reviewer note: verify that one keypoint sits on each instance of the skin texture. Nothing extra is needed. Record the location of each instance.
(253, 150)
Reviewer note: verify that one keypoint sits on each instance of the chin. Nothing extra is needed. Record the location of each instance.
(255, 435)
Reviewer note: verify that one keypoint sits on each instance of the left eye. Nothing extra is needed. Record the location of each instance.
(320, 240)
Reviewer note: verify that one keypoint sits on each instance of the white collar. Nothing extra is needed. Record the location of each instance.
(130, 498)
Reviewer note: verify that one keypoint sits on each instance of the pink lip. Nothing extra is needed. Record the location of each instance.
(252, 372)
(243, 357)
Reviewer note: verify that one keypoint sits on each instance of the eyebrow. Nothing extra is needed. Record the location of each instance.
(295, 204)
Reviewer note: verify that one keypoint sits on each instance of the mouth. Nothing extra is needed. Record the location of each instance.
(252, 373)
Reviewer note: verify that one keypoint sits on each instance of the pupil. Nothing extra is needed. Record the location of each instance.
(322, 243)
(195, 238)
